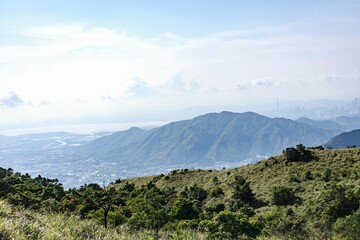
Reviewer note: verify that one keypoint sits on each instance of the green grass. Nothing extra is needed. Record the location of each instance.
(22, 224)
(344, 164)
(310, 180)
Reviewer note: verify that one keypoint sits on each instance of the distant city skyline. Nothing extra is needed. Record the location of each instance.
(87, 61)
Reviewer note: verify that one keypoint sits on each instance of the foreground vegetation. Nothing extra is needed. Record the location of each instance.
(314, 194)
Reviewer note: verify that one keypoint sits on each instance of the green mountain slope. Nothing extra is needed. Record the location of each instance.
(343, 165)
(313, 194)
(210, 138)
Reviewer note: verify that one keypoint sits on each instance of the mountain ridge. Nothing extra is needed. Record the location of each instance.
(346, 139)
(325, 124)
(209, 138)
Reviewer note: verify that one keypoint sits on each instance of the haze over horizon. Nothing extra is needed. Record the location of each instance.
(65, 62)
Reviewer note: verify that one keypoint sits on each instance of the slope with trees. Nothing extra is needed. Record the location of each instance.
(314, 195)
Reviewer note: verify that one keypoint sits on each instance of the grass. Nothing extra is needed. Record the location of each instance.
(22, 224)
(344, 166)
(330, 166)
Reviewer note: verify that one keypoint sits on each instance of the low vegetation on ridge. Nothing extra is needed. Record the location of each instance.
(303, 194)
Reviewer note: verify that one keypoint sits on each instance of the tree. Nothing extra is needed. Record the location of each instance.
(109, 197)
(183, 209)
(148, 209)
(91, 200)
(242, 193)
(195, 193)
(228, 224)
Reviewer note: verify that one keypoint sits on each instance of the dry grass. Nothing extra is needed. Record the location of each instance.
(344, 165)
(21, 224)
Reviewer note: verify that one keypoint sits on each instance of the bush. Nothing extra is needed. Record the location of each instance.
(216, 208)
(183, 208)
(282, 195)
(348, 227)
(216, 192)
(338, 201)
(281, 224)
(194, 193)
(228, 224)
(327, 174)
(242, 193)
(307, 175)
(216, 181)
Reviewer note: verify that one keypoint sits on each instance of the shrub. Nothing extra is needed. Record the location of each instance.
(216, 208)
(194, 192)
(242, 193)
(228, 224)
(348, 227)
(327, 174)
(183, 208)
(282, 195)
(216, 192)
(294, 179)
(216, 181)
(307, 175)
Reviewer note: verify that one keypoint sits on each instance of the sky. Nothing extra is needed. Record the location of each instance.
(87, 61)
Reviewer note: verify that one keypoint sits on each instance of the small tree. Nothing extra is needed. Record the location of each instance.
(109, 198)
(242, 192)
(229, 225)
(194, 193)
(100, 198)
(183, 208)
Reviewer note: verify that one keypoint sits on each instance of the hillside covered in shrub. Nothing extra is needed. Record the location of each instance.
(306, 193)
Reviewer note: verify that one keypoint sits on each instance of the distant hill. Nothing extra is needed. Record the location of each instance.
(325, 124)
(210, 138)
(349, 122)
(345, 139)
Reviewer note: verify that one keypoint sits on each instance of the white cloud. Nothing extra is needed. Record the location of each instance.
(330, 78)
(176, 84)
(53, 40)
(63, 63)
(44, 102)
(193, 85)
(140, 88)
(262, 83)
(11, 101)
(172, 37)
(71, 61)
(241, 86)
(266, 82)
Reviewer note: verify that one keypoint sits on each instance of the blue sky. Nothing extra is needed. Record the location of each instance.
(186, 18)
(61, 61)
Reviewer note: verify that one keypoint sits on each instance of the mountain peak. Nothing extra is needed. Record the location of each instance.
(207, 139)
